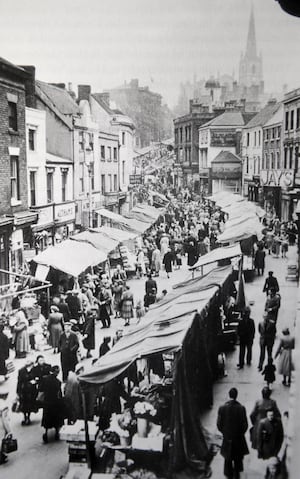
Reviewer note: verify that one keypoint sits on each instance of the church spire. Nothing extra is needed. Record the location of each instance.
(251, 39)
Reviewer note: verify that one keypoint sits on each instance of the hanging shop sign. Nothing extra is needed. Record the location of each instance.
(135, 179)
(45, 215)
(282, 178)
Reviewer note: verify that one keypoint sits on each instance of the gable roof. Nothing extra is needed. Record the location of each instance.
(226, 157)
(228, 118)
(99, 99)
(276, 118)
(263, 116)
(60, 98)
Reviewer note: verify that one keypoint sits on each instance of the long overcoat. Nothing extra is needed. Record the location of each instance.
(233, 424)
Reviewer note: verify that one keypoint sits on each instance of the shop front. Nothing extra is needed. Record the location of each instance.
(6, 226)
(43, 230)
(86, 211)
(20, 237)
(64, 221)
(277, 192)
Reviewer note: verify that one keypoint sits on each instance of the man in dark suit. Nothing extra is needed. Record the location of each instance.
(68, 346)
(246, 333)
(233, 424)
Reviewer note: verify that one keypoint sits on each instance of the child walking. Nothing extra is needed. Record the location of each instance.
(269, 372)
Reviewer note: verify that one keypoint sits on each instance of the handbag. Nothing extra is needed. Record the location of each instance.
(15, 405)
(9, 444)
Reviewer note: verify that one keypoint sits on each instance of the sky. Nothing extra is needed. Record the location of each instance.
(162, 42)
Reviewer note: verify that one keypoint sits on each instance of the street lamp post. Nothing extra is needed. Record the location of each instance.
(87, 162)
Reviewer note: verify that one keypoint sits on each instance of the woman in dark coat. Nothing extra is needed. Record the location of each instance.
(167, 261)
(192, 254)
(260, 261)
(111, 394)
(53, 410)
(88, 332)
(27, 391)
(4, 351)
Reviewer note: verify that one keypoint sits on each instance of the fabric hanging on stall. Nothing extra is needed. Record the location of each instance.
(193, 377)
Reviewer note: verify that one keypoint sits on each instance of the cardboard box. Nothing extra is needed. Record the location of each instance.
(154, 443)
(76, 432)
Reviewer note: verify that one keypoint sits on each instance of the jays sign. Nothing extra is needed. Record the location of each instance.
(282, 178)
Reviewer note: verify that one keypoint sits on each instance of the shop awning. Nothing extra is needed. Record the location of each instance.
(217, 255)
(71, 257)
(159, 195)
(162, 330)
(225, 198)
(243, 207)
(241, 230)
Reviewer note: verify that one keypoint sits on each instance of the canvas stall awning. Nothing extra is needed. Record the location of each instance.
(124, 223)
(159, 195)
(217, 255)
(115, 233)
(162, 330)
(241, 230)
(71, 257)
(97, 239)
(245, 208)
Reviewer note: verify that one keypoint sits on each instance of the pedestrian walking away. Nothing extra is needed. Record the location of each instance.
(284, 352)
(246, 333)
(53, 410)
(269, 372)
(267, 331)
(232, 423)
(260, 412)
(270, 282)
(27, 391)
(88, 331)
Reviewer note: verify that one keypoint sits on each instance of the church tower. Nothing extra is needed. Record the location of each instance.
(251, 63)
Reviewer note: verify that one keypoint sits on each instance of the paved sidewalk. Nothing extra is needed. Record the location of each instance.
(248, 380)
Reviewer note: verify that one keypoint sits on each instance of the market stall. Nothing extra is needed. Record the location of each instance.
(216, 255)
(168, 361)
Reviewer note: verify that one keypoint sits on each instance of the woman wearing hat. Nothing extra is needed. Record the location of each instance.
(27, 391)
(4, 421)
(55, 326)
(284, 351)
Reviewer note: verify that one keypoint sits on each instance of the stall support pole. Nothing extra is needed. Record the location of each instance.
(86, 429)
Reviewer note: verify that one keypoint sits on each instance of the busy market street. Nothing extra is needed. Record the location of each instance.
(149, 239)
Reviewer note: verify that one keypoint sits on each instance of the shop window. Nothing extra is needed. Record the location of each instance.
(12, 116)
(32, 185)
(31, 139)
(115, 183)
(64, 181)
(49, 186)
(115, 154)
(102, 152)
(103, 185)
(14, 178)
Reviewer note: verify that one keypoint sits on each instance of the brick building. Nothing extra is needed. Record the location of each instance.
(15, 218)
(186, 143)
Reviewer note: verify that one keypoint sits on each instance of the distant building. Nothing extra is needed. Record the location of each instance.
(252, 150)
(186, 144)
(15, 218)
(220, 135)
(152, 120)
(226, 173)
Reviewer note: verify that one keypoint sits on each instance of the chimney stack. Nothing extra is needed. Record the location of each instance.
(84, 92)
(30, 87)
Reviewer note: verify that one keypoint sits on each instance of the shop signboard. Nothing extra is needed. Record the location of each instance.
(64, 212)
(96, 202)
(135, 179)
(279, 178)
(223, 138)
(45, 215)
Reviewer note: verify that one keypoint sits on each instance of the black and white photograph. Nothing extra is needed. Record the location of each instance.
(149, 239)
